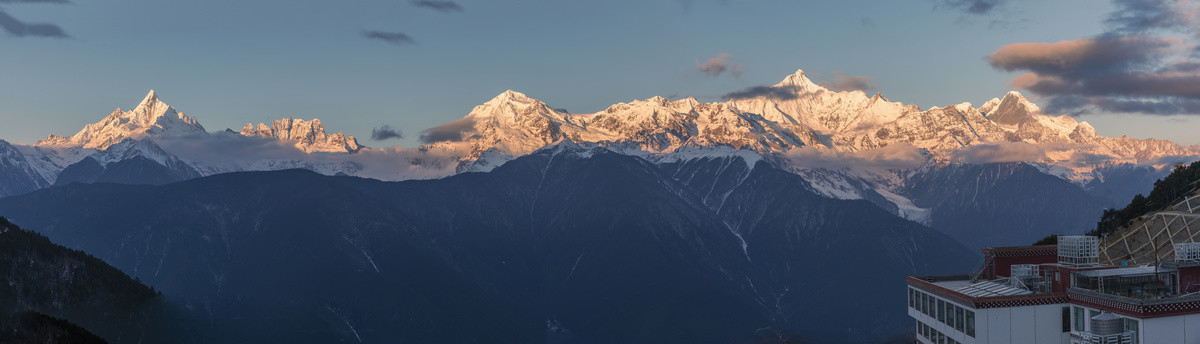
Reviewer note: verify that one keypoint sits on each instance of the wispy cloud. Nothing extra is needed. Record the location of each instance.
(848, 82)
(397, 38)
(978, 7)
(231, 150)
(453, 131)
(769, 92)
(1145, 62)
(893, 156)
(1001, 152)
(21, 29)
(718, 65)
(441, 6)
(867, 23)
(687, 5)
(386, 132)
(996, 13)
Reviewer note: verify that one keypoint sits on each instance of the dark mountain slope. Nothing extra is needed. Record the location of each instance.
(37, 328)
(129, 162)
(1004, 204)
(287, 255)
(39, 276)
(16, 175)
(819, 258)
(565, 245)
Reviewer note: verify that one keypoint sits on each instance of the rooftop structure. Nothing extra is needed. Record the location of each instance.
(1060, 294)
(1188, 251)
(1078, 250)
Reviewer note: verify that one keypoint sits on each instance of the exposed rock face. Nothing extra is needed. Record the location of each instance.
(308, 136)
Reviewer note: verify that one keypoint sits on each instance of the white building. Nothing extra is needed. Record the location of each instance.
(1036, 295)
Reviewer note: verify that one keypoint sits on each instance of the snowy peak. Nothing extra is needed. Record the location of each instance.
(1012, 110)
(308, 136)
(151, 117)
(800, 82)
(510, 96)
(512, 105)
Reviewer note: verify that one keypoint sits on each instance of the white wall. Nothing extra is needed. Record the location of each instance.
(1183, 329)
(999, 326)
(1023, 325)
(1192, 329)
(1012, 325)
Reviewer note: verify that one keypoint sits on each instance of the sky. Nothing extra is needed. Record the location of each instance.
(411, 65)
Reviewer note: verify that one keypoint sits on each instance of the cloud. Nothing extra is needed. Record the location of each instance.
(976, 7)
(716, 66)
(1084, 159)
(1083, 57)
(1001, 152)
(996, 13)
(867, 23)
(1139, 16)
(894, 156)
(229, 147)
(849, 83)
(234, 151)
(386, 132)
(440, 6)
(20, 29)
(769, 92)
(34, 2)
(452, 131)
(397, 38)
(1145, 62)
(686, 5)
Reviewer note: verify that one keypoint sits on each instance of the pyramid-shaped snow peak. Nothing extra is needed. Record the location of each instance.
(1011, 110)
(150, 118)
(799, 83)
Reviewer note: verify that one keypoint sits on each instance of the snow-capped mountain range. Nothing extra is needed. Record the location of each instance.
(848, 145)
(800, 114)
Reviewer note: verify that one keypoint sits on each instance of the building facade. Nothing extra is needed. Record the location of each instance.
(1059, 295)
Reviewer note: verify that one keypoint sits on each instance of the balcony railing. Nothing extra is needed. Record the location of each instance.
(1120, 338)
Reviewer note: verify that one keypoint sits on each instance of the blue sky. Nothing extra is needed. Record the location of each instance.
(231, 62)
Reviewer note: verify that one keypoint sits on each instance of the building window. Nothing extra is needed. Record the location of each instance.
(958, 325)
(950, 320)
(941, 311)
(925, 304)
(910, 298)
(971, 323)
(920, 304)
(1079, 320)
(1066, 319)
(932, 307)
(1131, 325)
